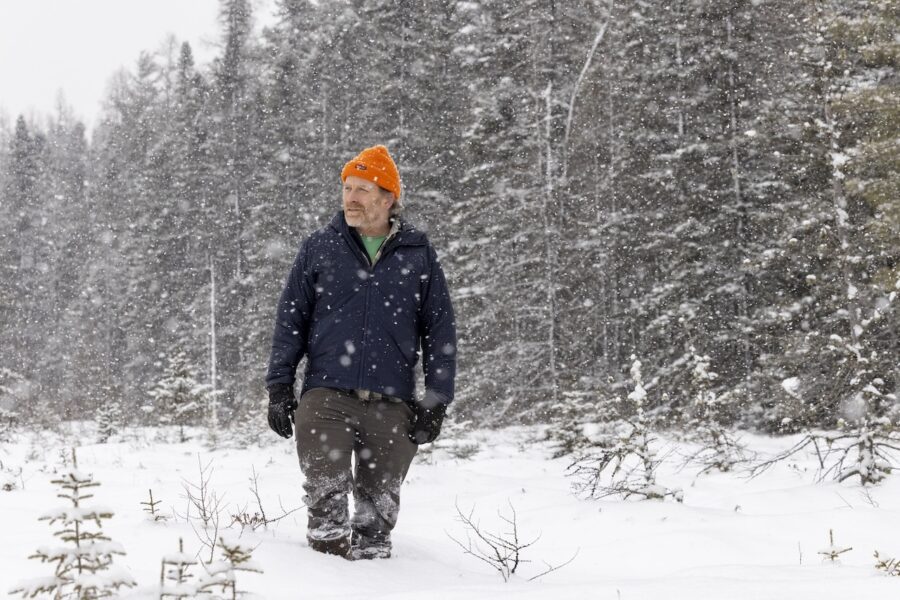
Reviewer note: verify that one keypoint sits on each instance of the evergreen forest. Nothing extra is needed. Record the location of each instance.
(683, 183)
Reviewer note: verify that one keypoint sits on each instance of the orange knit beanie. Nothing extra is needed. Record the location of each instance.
(376, 165)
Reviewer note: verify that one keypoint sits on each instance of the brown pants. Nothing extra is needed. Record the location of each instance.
(334, 426)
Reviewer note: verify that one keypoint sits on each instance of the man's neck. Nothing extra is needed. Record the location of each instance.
(374, 231)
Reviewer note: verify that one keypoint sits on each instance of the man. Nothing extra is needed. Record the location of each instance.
(364, 294)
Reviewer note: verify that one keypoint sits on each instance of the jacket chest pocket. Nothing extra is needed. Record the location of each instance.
(337, 283)
(400, 283)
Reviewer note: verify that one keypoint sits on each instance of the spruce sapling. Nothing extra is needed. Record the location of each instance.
(623, 463)
(867, 439)
(178, 397)
(221, 574)
(718, 449)
(174, 578)
(891, 566)
(150, 507)
(11, 385)
(832, 552)
(108, 418)
(84, 569)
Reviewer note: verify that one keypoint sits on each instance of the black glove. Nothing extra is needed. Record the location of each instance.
(428, 423)
(281, 409)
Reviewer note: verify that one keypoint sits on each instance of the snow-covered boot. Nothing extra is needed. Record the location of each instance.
(339, 546)
(366, 548)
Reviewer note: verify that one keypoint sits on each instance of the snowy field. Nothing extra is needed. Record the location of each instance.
(732, 538)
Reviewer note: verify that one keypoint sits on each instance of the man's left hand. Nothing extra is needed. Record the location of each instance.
(428, 424)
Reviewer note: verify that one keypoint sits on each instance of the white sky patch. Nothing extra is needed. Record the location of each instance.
(48, 46)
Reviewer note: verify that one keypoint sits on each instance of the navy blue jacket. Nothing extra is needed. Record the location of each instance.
(361, 326)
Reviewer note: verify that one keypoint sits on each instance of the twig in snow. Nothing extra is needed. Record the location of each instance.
(503, 552)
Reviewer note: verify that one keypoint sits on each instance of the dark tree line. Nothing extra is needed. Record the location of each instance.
(602, 179)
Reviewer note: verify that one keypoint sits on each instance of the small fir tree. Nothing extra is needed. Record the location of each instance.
(890, 566)
(174, 579)
(833, 551)
(221, 574)
(10, 386)
(84, 569)
(718, 449)
(870, 410)
(577, 413)
(866, 435)
(108, 420)
(178, 397)
(623, 463)
(151, 507)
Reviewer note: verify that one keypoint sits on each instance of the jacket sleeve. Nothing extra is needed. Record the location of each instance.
(438, 336)
(292, 319)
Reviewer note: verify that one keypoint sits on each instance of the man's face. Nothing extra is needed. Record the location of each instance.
(366, 206)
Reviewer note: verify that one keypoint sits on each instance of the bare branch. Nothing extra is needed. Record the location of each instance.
(503, 552)
(551, 568)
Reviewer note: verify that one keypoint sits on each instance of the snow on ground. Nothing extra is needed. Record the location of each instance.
(732, 538)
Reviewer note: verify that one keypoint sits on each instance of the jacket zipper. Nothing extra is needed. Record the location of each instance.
(370, 270)
(362, 350)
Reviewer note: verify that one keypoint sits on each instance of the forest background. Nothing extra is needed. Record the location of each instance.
(710, 186)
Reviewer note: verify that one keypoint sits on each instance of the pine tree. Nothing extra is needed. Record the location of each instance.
(187, 230)
(130, 199)
(42, 194)
(66, 323)
(296, 183)
(11, 411)
(608, 124)
(178, 398)
(508, 240)
(21, 251)
(108, 420)
(835, 323)
(234, 151)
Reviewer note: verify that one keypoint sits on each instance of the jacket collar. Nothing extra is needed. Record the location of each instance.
(405, 232)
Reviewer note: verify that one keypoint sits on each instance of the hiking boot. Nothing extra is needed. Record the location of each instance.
(372, 552)
(364, 548)
(337, 546)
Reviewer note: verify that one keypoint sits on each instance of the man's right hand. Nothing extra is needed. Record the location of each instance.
(281, 409)
(428, 424)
